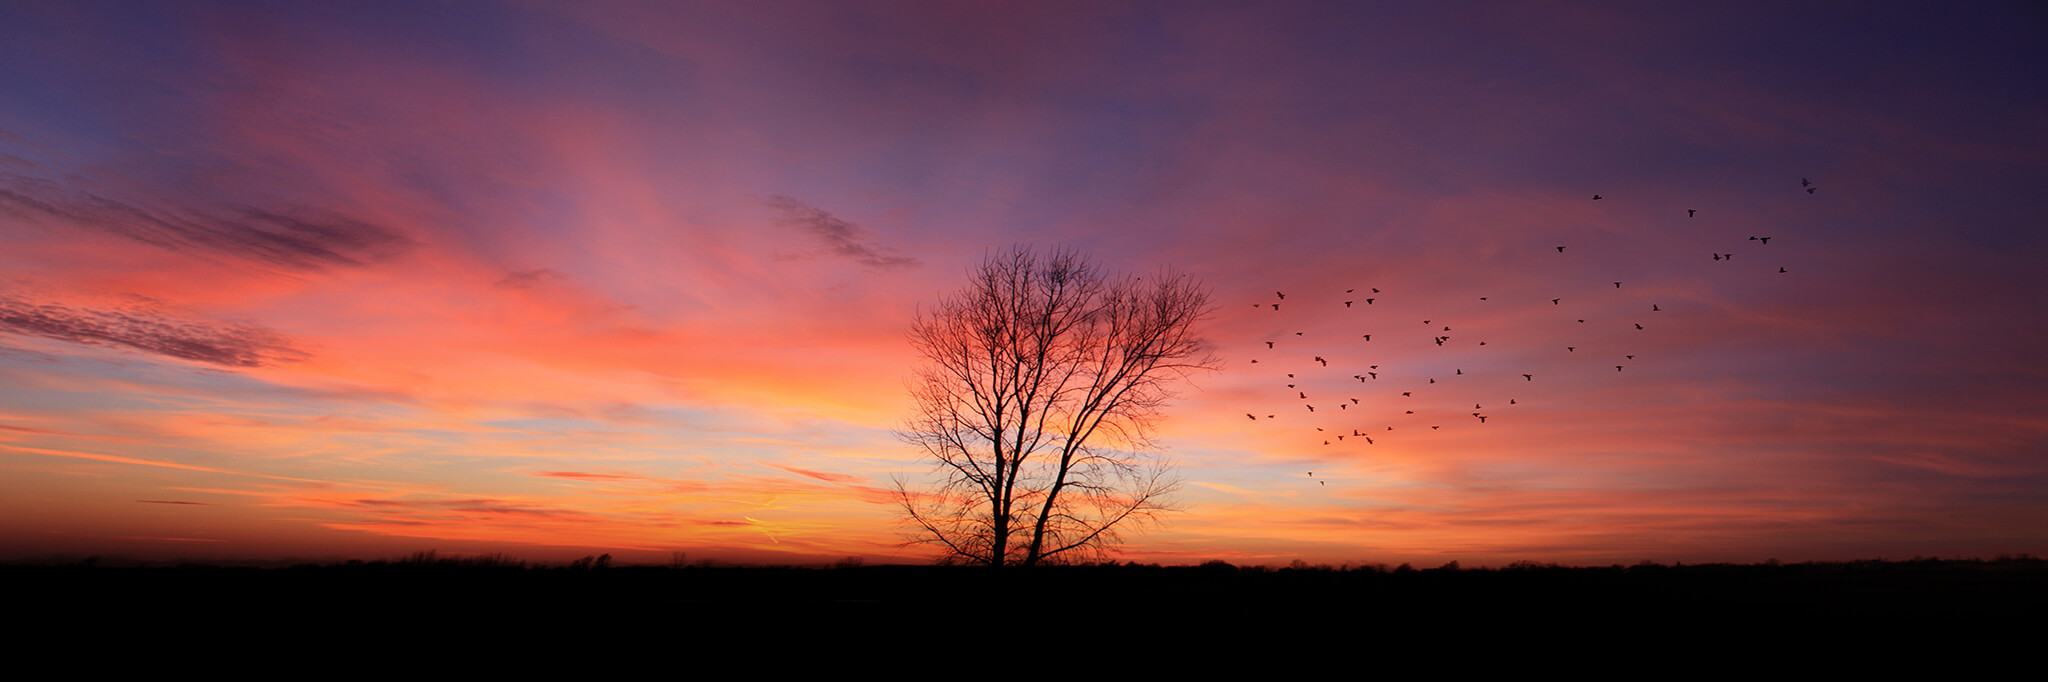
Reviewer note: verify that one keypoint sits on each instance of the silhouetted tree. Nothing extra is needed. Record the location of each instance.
(1043, 378)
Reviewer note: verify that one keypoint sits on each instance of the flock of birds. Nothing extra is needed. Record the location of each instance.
(1378, 417)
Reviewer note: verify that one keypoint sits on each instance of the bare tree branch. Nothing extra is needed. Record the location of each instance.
(1043, 379)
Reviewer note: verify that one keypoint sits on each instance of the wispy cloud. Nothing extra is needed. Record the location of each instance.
(843, 238)
(214, 343)
(300, 239)
(528, 279)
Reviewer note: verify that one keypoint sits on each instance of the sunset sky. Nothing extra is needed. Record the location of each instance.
(353, 280)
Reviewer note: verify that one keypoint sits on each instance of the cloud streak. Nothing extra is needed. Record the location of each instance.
(842, 238)
(213, 343)
(298, 239)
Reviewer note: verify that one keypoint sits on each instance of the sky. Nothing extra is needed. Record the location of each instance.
(297, 281)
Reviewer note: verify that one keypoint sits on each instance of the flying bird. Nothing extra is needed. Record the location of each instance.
(1347, 304)
(1560, 249)
(1689, 212)
(1529, 377)
(1269, 344)
(1596, 197)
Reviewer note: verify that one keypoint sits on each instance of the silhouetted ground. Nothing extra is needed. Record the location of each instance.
(1542, 613)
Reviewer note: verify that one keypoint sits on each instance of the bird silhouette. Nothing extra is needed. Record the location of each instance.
(1639, 327)
(1803, 182)
(1689, 212)
(1781, 271)
(1554, 301)
(1654, 308)
(1347, 304)
(1617, 285)
(1269, 344)
(1810, 190)
(1250, 416)
(1282, 296)
(1529, 377)
(1596, 197)
(1560, 249)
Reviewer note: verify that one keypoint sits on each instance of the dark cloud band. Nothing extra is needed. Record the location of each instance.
(199, 341)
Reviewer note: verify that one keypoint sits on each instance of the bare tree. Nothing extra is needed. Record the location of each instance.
(1043, 379)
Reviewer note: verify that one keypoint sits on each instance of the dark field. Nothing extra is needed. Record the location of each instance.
(1768, 606)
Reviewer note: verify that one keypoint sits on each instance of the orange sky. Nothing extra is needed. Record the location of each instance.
(564, 279)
